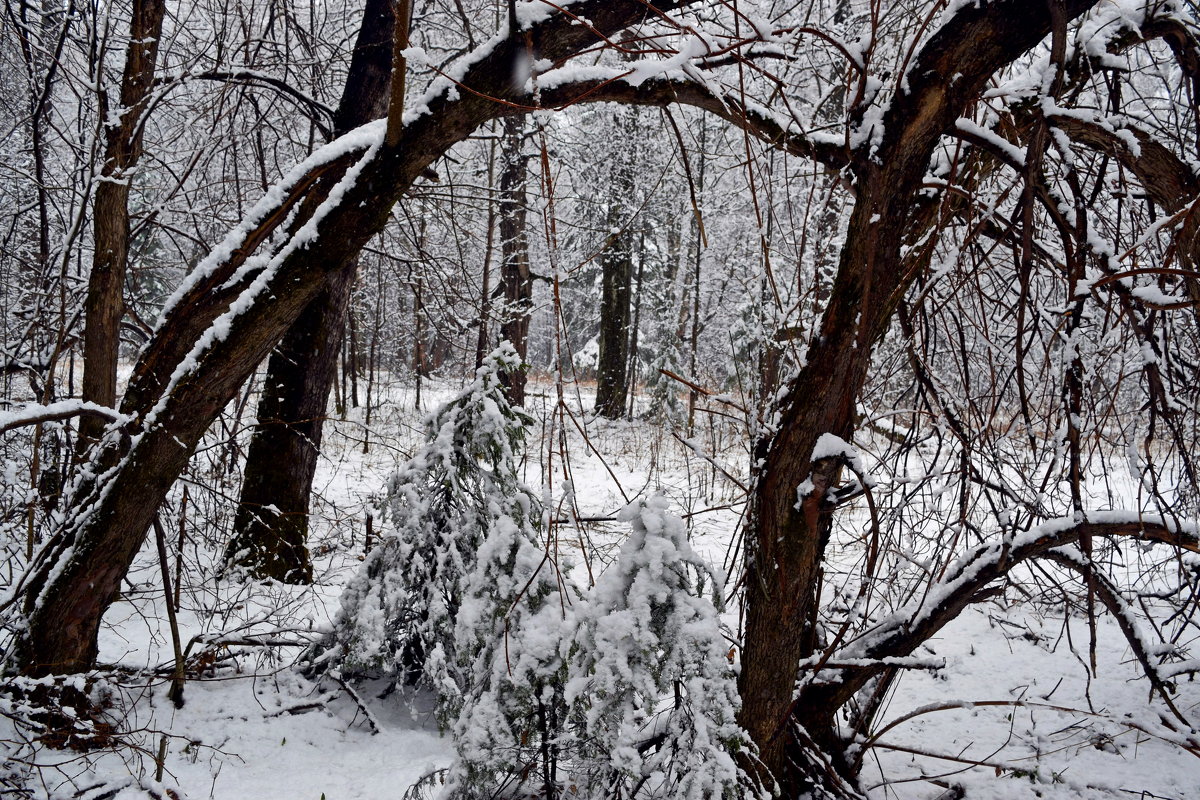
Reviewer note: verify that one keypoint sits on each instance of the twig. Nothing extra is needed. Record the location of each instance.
(176, 691)
(361, 705)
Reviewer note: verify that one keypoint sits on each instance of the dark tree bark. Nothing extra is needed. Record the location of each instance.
(612, 375)
(616, 283)
(77, 575)
(485, 292)
(271, 524)
(787, 539)
(105, 303)
(270, 529)
(515, 279)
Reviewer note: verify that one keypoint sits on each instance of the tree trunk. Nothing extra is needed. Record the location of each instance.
(631, 365)
(788, 533)
(105, 303)
(515, 278)
(616, 282)
(612, 377)
(271, 524)
(485, 292)
(270, 529)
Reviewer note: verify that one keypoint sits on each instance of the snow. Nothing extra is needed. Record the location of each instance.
(830, 446)
(531, 12)
(252, 727)
(415, 56)
(695, 47)
(357, 140)
(1013, 153)
(229, 727)
(35, 412)
(1157, 297)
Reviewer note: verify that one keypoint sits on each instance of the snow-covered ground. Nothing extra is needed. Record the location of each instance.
(1013, 714)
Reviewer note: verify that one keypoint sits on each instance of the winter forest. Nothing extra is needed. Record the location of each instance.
(678, 399)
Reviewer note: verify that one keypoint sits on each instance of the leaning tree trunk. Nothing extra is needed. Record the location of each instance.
(105, 303)
(270, 529)
(190, 370)
(788, 533)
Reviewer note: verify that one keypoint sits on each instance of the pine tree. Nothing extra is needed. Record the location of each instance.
(511, 639)
(651, 688)
(460, 491)
(628, 693)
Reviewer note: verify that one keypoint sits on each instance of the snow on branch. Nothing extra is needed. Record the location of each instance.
(268, 214)
(1168, 179)
(605, 85)
(34, 413)
(903, 631)
(263, 284)
(972, 42)
(830, 446)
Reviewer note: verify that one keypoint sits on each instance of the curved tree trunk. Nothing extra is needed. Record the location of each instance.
(189, 371)
(788, 532)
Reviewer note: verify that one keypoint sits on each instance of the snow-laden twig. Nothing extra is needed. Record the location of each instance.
(35, 413)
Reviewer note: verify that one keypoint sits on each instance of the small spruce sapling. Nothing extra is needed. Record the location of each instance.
(651, 689)
(399, 614)
(665, 404)
(511, 639)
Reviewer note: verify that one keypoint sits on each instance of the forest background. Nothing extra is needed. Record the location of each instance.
(899, 298)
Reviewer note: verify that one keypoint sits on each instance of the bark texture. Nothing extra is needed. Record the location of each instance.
(271, 525)
(787, 537)
(616, 293)
(270, 529)
(105, 303)
(516, 281)
(616, 282)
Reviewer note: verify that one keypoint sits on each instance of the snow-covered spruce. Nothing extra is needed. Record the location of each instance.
(510, 638)
(651, 689)
(665, 403)
(629, 694)
(399, 614)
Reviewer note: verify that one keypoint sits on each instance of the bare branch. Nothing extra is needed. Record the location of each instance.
(908, 628)
(35, 414)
